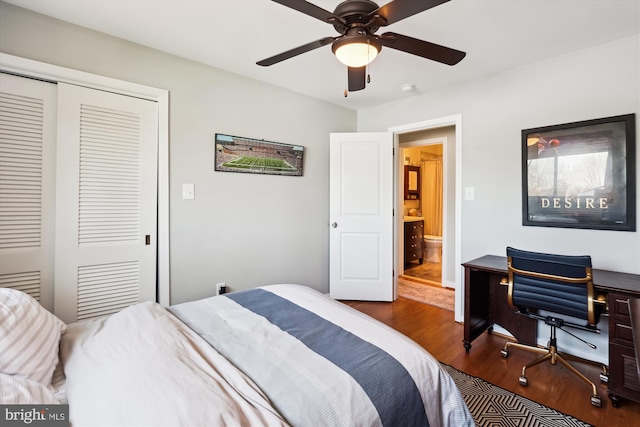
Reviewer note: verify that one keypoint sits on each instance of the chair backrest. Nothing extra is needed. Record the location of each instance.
(560, 284)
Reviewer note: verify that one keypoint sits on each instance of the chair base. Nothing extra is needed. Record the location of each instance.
(551, 354)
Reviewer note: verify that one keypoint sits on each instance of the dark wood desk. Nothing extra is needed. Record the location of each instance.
(486, 305)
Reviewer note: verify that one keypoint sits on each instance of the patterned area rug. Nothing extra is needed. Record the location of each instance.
(491, 405)
(428, 294)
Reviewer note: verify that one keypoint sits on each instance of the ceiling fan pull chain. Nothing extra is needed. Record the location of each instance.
(346, 84)
(368, 63)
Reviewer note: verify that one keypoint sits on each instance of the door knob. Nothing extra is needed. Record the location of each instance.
(334, 224)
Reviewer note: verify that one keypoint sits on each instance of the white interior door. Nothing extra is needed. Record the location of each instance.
(27, 180)
(106, 203)
(361, 217)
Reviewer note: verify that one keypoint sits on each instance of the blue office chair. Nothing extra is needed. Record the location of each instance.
(557, 284)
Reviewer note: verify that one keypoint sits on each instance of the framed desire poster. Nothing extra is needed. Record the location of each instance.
(580, 175)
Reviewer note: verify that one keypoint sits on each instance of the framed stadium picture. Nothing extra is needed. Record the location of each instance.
(580, 175)
(247, 155)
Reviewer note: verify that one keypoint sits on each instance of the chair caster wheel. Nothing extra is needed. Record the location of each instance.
(504, 353)
(604, 378)
(523, 381)
(596, 401)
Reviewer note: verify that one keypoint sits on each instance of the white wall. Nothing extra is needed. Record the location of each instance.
(599, 82)
(246, 230)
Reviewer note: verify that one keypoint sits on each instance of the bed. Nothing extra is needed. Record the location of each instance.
(271, 356)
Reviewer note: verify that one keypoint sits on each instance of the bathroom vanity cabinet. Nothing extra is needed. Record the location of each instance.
(413, 241)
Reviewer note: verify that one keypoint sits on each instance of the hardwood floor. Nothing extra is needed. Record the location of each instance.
(553, 386)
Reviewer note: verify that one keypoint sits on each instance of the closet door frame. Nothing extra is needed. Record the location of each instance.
(40, 70)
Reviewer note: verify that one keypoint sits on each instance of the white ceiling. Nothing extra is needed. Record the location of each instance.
(233, 34)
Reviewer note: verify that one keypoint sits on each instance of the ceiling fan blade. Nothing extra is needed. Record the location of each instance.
(397, 10)
(311, 10)
(296, 51)
(357, 78)
(428, 50)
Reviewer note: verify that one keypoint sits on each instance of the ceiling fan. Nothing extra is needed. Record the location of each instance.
(358, 45)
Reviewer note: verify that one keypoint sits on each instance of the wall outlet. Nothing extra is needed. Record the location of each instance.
(221, 288)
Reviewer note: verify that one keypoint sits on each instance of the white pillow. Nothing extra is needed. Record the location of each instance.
(21, 391)
(29, 337)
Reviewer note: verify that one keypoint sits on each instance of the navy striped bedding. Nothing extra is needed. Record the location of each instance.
(321, 363)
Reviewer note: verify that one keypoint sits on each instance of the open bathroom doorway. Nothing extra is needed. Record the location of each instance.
(423, 213)
(448, 132)
(426, 213)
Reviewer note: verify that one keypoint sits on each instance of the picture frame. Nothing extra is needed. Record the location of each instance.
(580, 175)
(257, 156)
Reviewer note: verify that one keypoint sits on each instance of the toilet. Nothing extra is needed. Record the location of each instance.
(433, 248)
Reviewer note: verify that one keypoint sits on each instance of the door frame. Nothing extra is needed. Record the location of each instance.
(456, 122)
(53, 73)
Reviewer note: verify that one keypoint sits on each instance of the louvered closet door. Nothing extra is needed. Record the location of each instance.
(106, 202)
(27, 155)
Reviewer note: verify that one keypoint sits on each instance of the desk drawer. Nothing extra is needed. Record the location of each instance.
(619, 305)
(621, 333)
(623, 377)
(620, 330)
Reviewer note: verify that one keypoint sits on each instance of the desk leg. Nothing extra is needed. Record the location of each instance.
(615, 400)
(477, 315)
(486, 304)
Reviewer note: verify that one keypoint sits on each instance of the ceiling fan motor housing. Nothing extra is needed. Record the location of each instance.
(356, 35)
(355, 13)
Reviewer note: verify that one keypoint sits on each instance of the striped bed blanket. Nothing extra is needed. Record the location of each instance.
(322, 363)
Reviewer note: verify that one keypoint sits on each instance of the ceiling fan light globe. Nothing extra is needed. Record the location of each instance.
(356, 54)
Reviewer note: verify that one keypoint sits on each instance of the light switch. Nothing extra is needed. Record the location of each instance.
(188, 192)
(469, 193)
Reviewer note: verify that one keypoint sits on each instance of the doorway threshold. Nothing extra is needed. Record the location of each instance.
(432, 294)
(421, 281)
